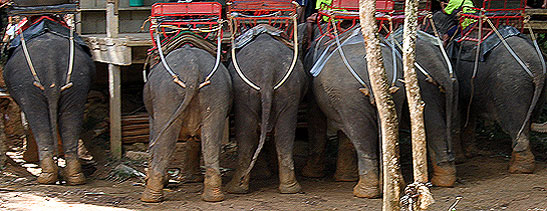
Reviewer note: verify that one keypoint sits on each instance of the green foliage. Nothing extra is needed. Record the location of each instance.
(542, 42)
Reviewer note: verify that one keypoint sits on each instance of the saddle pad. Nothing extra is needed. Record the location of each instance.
(42, 27)
(491, 42)
(325, 54)
(250, 34)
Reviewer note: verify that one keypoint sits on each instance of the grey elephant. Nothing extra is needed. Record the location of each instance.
(266, 62)
(196, 112)
(508, 88)
(355, 115)
(346, 101)
(52, 99)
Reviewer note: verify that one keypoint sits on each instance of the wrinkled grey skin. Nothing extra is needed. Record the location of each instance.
(49, 110)
(265, 61)
(191, 113)
(337, 94)
(503, 92)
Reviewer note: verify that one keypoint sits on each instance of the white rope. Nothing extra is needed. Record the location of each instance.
(207, 80)
(68, 83)
(295, 54)
(234, 59)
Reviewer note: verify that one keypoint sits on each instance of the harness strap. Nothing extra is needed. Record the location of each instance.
(234, 60)
(289, 71)
(524, 66)
(295, 54)
(207, 80)
(175, 77)
(68, 83)
(348, 66)
(536, 46)
(36, 82)
(441, 46)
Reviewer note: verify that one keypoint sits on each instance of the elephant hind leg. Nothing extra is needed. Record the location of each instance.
(38, 121)
(246, 129)
(161, 149)
(364, 137)
(70, 124)
(285, 129)
(346, 162)
(211, 135)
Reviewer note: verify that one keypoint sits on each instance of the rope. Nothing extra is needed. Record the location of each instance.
(238, 69)
(510, 49)
(68, 83)
(348, 66)
(441, 46)
(207, 80)
(295, 54)
(175, 77)
(234, 59)
(36, 82)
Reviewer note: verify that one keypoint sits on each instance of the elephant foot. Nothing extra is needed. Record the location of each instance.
(151, 196)
(313, 171)
(237, 186)
(367, 187)
(50, 171)
(290, 188)
(444, 174)
(153, 191)
(212, 186)
(73, 172)
(522, 163)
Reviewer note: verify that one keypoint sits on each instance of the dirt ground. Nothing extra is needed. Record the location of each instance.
(483, 182)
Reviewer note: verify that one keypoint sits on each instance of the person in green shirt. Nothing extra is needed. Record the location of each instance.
(446, 20)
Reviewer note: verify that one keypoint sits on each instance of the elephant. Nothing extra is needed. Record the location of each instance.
(51, 100)
(353, 113)
(348, 106)
(266, 61)
(505, 92)
(196, 112)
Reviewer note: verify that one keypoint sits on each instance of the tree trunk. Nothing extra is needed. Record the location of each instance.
(416, 107)
(415, 103)
(385, 105)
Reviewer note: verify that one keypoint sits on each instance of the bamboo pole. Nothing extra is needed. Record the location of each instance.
(384, 104)
(416, 108)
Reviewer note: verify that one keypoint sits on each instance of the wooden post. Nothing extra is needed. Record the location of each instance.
(385, 105)
(114, 84)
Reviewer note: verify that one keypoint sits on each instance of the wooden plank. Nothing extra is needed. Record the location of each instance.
(535, 11)
(136, 139)
(538, 25)
(144, 131)
(134, 127)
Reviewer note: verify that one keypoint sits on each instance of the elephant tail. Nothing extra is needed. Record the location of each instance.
(53, 105)
(266, 94)
(451, 107)
(538, 88)
(191, 91)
